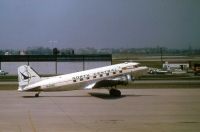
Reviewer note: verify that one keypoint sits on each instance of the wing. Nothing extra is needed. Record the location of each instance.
(111, 82)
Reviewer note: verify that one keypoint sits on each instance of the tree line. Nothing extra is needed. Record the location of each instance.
(89, 50)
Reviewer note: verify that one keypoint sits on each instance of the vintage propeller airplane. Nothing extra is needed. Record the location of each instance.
(104, 77)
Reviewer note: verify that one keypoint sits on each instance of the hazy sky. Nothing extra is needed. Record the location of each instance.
(99, 23)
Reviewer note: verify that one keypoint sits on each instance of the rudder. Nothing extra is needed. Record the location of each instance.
(26, 76)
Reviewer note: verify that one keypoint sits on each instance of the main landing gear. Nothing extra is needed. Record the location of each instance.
(37, 94)
(115, 92)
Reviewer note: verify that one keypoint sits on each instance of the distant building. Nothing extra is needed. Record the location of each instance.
(22, 52)
(7, 53)
(172, 66)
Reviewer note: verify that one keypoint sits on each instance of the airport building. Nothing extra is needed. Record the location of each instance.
(54, 64)
(171, 66)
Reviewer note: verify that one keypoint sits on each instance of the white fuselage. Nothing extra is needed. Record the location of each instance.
(83, 79)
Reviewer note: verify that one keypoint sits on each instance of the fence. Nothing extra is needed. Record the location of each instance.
(52, 64)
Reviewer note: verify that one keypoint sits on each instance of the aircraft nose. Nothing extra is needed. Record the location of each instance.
(145, 70)
(141, 71)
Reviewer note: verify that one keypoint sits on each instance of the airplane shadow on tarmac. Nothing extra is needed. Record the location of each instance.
(46, 96)
(104, 95)
(91, 94)
(107, 96)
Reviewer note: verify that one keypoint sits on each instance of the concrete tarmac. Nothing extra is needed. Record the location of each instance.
(138, 110)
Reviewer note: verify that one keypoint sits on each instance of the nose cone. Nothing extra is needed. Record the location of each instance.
(142, 70)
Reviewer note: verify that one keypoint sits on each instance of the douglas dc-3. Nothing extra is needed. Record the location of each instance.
(104, 77)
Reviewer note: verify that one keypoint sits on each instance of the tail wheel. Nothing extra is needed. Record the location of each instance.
(115, 92)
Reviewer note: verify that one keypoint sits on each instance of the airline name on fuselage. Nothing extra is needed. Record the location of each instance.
(94, 74)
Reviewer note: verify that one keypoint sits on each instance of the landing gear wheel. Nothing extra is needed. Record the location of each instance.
(37, 94)
(115, 93)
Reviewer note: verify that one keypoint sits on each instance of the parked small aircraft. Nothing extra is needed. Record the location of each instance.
(104, 77)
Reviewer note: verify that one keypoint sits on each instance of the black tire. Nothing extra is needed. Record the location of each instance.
(37, 95)
(115, 93)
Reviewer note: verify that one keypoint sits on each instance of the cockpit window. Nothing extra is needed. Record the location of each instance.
(138, 65)
(130, 67)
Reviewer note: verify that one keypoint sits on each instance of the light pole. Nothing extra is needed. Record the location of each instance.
(55, 53)
(161, 55)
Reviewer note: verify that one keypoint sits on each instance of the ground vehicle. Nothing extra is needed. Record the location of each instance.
(157, 71)
(3, 72)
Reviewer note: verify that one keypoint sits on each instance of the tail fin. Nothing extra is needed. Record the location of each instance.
(26, 76)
